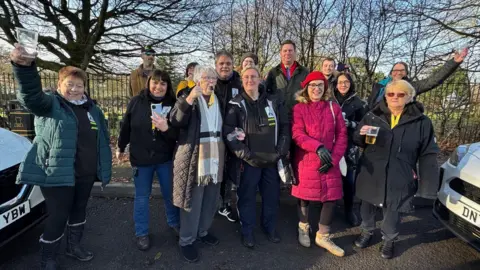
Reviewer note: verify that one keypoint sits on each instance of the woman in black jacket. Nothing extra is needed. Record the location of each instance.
(353, 109)
(264, 138)
(152, 141)
(387, 172)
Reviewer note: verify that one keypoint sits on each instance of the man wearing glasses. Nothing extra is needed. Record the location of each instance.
(138, 77)
(400, 72)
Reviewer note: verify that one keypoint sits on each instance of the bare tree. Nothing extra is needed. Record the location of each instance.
(96, 34)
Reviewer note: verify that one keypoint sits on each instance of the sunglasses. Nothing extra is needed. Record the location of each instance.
(399, 95)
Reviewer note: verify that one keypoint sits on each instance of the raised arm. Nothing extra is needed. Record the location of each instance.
(29, 93)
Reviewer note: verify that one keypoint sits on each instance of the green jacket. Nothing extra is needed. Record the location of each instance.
(50, 161)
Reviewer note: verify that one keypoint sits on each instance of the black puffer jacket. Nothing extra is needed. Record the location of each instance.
(263, 152)
(354, 110)
(147, 146)
(386, 168)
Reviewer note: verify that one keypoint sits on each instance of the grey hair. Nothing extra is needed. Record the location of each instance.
(223, 53)
(403, 85)
(200, 70)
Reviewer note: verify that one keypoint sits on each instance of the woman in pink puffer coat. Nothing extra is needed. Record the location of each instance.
(320, 134)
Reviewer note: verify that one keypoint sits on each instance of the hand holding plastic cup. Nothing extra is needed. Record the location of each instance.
(28, 39)
(237, 134)
(371, 136)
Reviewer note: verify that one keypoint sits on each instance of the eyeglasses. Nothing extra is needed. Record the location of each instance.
(149, 53)
(245, 78)
(312, 85)
(398, 70)
(399, 95)
(208, 78)
(344, 82)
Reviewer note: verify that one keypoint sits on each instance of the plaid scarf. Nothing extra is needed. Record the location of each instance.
(211, 148)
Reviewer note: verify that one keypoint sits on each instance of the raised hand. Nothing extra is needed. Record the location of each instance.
(18, 56)
(460, 56)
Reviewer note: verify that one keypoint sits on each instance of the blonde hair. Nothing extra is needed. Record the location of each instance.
(302, 95)
(404, 86)
(249, 67)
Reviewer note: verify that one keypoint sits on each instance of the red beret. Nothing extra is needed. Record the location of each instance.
(315, 76)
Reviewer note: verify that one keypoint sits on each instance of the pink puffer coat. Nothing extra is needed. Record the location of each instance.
(313, 126)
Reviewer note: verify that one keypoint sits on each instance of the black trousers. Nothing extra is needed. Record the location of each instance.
(390, 222)
(66, 204)
(268, 182)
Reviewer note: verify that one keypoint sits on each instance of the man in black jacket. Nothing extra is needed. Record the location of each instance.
(284, 79)
(228, 86)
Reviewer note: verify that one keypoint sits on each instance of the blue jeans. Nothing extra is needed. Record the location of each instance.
(143, 177)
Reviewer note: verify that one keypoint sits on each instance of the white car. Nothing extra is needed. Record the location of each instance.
(21, 206)
(458, 202)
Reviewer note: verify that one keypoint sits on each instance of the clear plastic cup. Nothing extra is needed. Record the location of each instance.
(234, 134)
(28, 39)
(372, 134)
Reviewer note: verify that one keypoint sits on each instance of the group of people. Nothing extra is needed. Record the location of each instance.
(220, 128)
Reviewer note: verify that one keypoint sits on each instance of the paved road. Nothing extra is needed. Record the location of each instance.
(424, 244)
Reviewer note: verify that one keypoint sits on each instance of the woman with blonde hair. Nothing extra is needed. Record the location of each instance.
(263, 137)
(319, 132)
(395, 135)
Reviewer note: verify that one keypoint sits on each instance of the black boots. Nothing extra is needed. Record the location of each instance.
(49, 251)
(363, 240)
(74, 250)
(386, 249)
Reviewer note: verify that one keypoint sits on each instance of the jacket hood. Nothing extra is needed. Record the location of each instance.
(412, 110)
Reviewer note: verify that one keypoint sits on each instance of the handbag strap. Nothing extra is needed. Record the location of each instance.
(334, 120)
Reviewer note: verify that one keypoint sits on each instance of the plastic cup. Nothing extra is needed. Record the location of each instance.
(371, 136)
(28, 39)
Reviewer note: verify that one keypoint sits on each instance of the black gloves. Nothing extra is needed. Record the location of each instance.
(325, 159)
(324, 155)
(325, 167)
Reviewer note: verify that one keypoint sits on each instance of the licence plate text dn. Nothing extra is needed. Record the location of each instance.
(14, 214)
(471, 215)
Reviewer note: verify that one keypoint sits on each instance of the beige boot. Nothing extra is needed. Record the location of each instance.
(324, 241)
(304, 234)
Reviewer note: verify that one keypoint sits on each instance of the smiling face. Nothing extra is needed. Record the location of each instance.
(398, 72)
(248, 62)
(207, 83)
(158, 88)
(316, 89)
(343, 84)
(72, 88)
(328, 67)
(224, 67)
(250, 80)
(288, 54)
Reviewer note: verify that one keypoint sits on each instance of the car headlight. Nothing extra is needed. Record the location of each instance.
(458, 154)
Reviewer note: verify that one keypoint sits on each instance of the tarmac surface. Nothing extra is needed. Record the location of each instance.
(423, 244)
